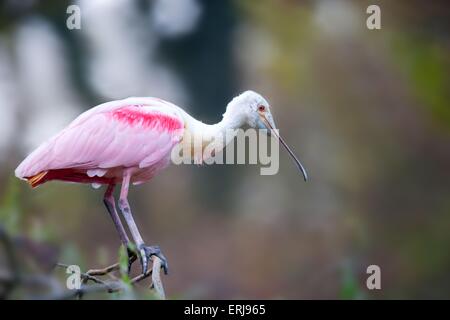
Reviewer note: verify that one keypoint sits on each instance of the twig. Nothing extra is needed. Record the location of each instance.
(85, 276)
(156, 277)
(114, 286)
(104, 271)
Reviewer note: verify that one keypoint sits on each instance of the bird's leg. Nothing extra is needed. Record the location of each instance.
(145, 252)
(110, 204)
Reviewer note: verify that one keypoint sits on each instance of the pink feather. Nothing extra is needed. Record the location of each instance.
(103, 141)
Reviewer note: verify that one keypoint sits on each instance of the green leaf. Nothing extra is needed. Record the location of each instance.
(123, 264)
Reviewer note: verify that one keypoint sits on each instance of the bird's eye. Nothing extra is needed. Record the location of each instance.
(261, 108)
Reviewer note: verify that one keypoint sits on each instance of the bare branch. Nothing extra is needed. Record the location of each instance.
(117, 285)
(156, 277)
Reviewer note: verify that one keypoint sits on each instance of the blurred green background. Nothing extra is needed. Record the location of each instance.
(368, 111)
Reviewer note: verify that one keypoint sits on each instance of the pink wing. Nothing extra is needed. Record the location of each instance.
(108, 136)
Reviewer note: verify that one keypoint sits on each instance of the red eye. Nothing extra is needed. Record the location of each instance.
(261, 108)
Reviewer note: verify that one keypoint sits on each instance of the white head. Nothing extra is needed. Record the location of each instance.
(246, 108)
(250, 108)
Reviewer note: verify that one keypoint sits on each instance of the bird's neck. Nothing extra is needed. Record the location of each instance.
(215, 135)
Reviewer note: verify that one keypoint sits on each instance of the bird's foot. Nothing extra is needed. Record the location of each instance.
(146, 252)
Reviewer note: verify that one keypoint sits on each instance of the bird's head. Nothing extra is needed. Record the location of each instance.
(252, 109)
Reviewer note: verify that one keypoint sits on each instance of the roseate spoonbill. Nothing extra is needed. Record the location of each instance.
(129, 141)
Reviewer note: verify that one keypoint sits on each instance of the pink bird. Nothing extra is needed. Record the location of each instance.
(130, 141)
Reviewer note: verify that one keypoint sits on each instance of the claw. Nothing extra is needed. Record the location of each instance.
(144, 260)
(163, 259)
(146, 252)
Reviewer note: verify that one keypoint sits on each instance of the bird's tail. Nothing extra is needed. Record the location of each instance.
(35, 166)
(37, 179)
